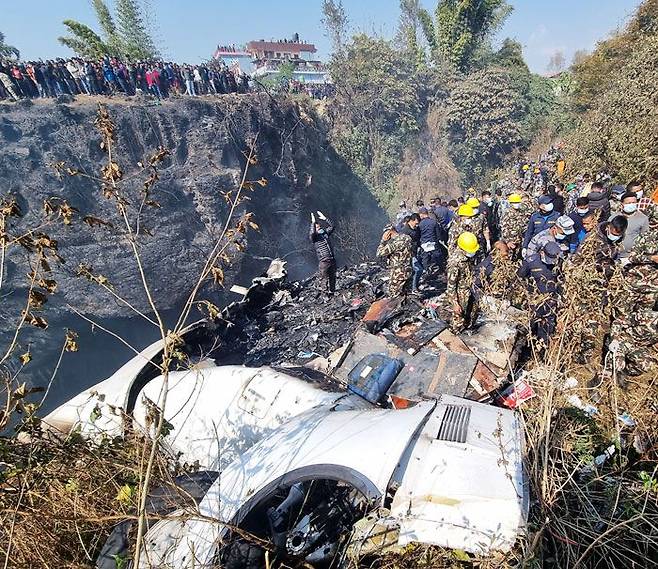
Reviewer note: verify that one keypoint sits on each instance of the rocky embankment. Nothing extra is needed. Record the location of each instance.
(206, 140)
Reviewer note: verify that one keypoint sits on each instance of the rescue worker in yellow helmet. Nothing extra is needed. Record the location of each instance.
(479, 225)
(459, 292)
(462, 222)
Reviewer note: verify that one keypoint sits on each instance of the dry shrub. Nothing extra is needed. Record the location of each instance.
(427, 170)
(61, 498)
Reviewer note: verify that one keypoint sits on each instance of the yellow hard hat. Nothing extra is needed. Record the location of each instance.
(537, 170)
(468, 242)
(526, 167)
(514, 198)
(473, 202)
(465, 211)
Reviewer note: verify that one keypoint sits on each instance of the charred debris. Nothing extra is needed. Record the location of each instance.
(298, 327)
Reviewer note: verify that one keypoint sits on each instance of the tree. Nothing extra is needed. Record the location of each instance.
(484, 114)
(135, 39)
(376, 110)
(8, 51)
(106, 22)
(557, 61)
(129, 39)
(461, 27)
(335, 22)
(408, 30)
(84, 41)
(592, 75)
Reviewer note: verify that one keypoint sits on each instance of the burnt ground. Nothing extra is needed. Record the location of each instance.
(303, 321)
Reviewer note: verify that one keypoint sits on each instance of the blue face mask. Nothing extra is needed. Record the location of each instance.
(613, 238)
(560, 236)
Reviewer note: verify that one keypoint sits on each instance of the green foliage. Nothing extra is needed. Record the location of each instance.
(83, 40)
(106, 22)
(376, 111)
(484, 114)
(335, 22)
(407, 33)
(281, 79)
(129, 39)
(594, 73)
(461, 27)
(136, 43)
(8, 51)
(619, 132)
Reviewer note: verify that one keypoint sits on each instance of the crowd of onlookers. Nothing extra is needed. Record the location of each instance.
(111, 76)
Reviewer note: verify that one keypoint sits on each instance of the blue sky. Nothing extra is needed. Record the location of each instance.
(189, 29)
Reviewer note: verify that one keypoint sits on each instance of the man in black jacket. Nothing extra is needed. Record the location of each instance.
(319, 236)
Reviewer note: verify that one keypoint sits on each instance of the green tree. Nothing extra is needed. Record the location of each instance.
(483, 116)
(8, 51)
(376, 111)
(136, 42)
(84, 41)
(408, 30)
(593, 73)
(619, 132)
(106, 22)
(129, 39)
(335, 22)
(461, 27)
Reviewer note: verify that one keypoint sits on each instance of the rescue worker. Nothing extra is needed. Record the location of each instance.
(403, 212)
(513, 224)
(563, 231)
(490, 211)
(479, 224)
(459, 291)
(430, 252)
(634, 331)
(540, 220)
(638, 222)
(410, 227)
(319, 236)
(495, 274)
(540, 267)
(461, 222)
(398, 249)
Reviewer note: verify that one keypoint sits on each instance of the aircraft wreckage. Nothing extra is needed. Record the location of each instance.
(371, 427)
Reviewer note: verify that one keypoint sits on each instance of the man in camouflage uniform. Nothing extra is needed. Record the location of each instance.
(466, 220)
(398, 249)
(513, 224)
(634, 332)
(459, 291)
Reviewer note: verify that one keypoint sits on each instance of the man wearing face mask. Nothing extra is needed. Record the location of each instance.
(638, 223)
(643, 202)
(562, 232)
(540, 268)
(543, 219)
(459, 291)
(609, 237)
(319, 236)
(634, 332)
(577, 216)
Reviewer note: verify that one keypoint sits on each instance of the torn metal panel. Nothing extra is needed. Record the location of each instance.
(468, 492)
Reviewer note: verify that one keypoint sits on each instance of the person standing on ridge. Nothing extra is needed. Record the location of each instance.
(319, 236)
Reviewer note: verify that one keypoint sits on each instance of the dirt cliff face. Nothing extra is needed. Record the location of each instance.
(206, 140)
